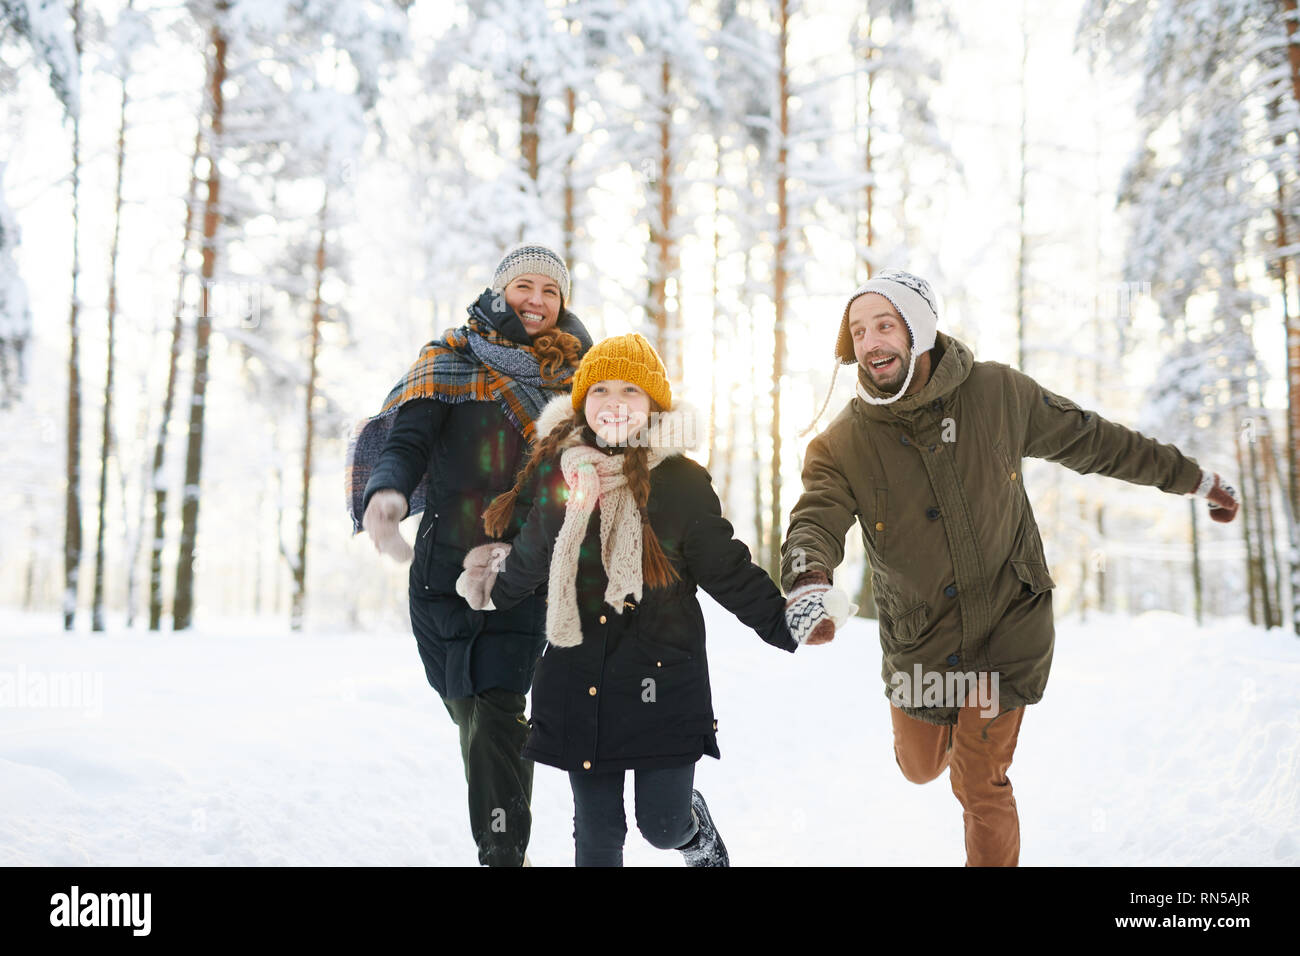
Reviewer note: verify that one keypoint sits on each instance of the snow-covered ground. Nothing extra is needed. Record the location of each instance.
(243, 744)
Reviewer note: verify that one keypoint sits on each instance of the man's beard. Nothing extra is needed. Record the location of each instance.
(894, 383)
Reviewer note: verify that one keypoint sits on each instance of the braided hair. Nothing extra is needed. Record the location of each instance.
(497, 516)
(656, 570)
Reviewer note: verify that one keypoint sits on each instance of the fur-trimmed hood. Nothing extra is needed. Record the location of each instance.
(673, 432)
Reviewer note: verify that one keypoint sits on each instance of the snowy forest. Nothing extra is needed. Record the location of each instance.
(226, 228)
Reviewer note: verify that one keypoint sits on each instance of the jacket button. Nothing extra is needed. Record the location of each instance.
(953, 659)
(932, 513)
(586, 765)
(715, 725)
(602, 619)
(880, 526)
(591, 691)
(950, 590)
(1013, 476)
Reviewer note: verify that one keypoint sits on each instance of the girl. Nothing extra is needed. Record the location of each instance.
(624, 527)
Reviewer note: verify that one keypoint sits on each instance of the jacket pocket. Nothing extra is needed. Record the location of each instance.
(424, 547)
(661, 655)
(876, 526)
(907, 625)
(1034, 575)
(1010, 469)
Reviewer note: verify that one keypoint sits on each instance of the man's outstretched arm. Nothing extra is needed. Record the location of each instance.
(1059, 430)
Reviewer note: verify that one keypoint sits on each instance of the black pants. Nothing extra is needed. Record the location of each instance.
(663, 812)
(492, 732)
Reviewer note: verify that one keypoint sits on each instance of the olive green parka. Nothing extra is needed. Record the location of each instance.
(934, 482)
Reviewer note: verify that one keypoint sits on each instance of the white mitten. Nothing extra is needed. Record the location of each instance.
(481, 567)
(814, 612)
(838, 606)
(386, 508)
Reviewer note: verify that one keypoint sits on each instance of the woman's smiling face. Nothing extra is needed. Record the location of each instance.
(536, 300)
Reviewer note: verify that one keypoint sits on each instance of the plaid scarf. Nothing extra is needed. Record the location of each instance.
(474, 363)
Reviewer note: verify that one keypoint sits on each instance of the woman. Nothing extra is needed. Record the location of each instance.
(451, 436)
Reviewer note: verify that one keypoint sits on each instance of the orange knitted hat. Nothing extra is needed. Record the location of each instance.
(627, 357)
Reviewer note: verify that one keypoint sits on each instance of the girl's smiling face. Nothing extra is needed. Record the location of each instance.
(616, 409)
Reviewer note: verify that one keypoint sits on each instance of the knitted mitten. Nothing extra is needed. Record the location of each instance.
(386, 508)
(814, 610)
(1222, 497)
(481, 567)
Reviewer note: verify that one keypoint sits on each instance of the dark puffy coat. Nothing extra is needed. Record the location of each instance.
(472, 453)
(635, 693)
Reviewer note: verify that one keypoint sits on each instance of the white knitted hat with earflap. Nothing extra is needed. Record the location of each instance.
(915, 301)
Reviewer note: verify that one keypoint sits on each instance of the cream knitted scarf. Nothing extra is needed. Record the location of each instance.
(596, 478)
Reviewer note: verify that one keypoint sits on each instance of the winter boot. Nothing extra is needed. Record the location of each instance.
(706, 847)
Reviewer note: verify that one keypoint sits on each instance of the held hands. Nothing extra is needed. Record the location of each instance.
(1222, 497)
(481, 567)
(386, 508)
(814, 610)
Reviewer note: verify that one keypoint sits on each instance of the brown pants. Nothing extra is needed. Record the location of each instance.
(977, 752)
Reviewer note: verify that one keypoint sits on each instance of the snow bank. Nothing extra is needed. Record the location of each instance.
(243, 744)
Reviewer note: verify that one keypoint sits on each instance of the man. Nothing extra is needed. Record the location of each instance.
(451, 436)
(927, 459)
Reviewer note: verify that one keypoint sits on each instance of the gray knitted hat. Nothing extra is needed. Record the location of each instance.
(531, 260)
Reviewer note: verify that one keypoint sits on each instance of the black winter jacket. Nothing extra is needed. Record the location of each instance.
(472, 453)
(635, 693)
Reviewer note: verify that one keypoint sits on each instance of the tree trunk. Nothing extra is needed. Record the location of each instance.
(1022, 252)
(1246, 505)
(713, 320)
(183, 600)
(570, 198)
(157, 481)
(106, 431)
(530, 101)
(72, 497)
(1260, 497)
(662, 263)
(1293, 533)
(317, 316)
(868, 237)
(1270, 524)
(778, 287)
(133, 533)
(1199, 603)
(1292, 326)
